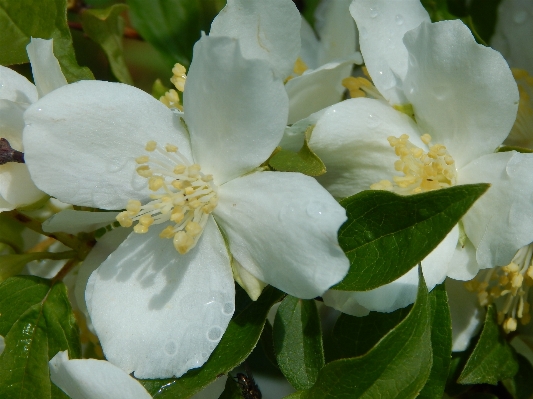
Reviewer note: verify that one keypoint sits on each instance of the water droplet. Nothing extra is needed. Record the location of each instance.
(170, 347)
(228, 308)
(520, 17)
(116, 165)
(373, 121)
(413, 88)
(316, 209)
(440, 92)
(138, 183)
(398, 19)
(204, 355)
(373, 12)
(214, 333)
(287, 212)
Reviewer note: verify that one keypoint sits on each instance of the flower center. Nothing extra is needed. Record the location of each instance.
(521, 133)
(511, 283)
(422, 171)
(183, 195)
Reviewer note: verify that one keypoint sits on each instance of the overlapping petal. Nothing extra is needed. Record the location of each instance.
(93, 379)
(157, 313)
(351, 139)
(81, 142)
(235, 109)
(16, 185)
(15, 87)
(382, 25)
(282, 228)
(73, 222)
(464, 94)
(501, 221)
(46, 71)
(267, 30)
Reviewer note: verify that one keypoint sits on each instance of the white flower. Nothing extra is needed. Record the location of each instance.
(158, 312)
(464, 100)
(16, 94)
(270, 30)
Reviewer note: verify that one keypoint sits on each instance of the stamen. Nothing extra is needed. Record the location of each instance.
(421, 171)
(178, 80)
(361, 87)
(183, 196)
(507, 287)
(300, 67)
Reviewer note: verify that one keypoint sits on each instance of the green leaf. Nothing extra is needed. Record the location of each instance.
(387, 234)
(46, 19)
(237, 343)
(437, 10)
(11, 265)
(173, 26)
(520, 386)
(506, 148)
(298, 341)
(441, 342)
(354, 336)
(267, 343)
(304, 161)
(397, 367)
(309, 11)
(231, 390)
(484, 14)
(106, 27)
(37, 322)
(493, 359)
(11, 233)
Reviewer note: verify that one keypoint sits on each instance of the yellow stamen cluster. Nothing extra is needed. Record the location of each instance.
(422, 171)
(360, 87)
(183, 195)
(299, 68)
(171, 98)
(522, 132)
(508, 286)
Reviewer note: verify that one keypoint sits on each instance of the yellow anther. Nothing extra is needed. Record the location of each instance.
(151, 146)
(300, 66)
(155, 183)
(359, 87)
(133, 206)
(146, 220)
(517, 280)
(168, 232)
(193, 228)
(207, 178)
(171, 148)
(143, 159)
(178, 80)
(171, 99)
(182, 242)
(471, 285)
(509, 325)
(382, 185)
(426, 138)
(180, 169)
(195, 204)
(177, 215)
(140, 228)
(124, 219)
(483, 298)
(144, 171)
(189, 190)
(399, 165)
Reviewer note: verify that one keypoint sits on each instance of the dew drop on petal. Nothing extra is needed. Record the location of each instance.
(373, 12)
(204, 355)
(520, 17)
(398, 19)
(116, 165)
(214, 333)
(316, 209)
(373, 121)
(228, 308)
(170, 347)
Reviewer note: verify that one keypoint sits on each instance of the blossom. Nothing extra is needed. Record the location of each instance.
(270, 30)
(444, 104)
(16, 95)
(193, 189)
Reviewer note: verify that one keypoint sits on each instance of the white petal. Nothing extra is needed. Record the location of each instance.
(156, 312)
(92, 132)
(235, 109)
(467, 315)
(266, 29)
(294, 136)
(16, 185)
(213, 390)
(252, 285)
(501, 221)
(46, 71)
(336, 29)
(382, 24)
(310, 45)
(2, 344)
(106, 245)
(402, 291)
(463, 94)
(12, 122)
(513, 33)
(464, 265)
(351, 139)
(319, 88)
(93, 379)
(344, 301)
(15, 87)
(282, 228)
(73, 222)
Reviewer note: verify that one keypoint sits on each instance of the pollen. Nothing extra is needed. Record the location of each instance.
(183, 197)
(422, 171)
(171, 98)
(508, 288)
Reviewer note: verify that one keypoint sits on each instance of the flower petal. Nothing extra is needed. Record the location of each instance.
(463, 94)
(12, 122)
(74, 222)
(156, 312)
(467, 316)
(93, 379)
(464, 265)
(345, 301)
(16, 185)
(294, 135)
(513, 33)
(46, 71)
(310, 45)
(15, 87)
(351, 139)
(282, 228)
(401, 292)
(92, 132)
(267, 30)
(382, 24)
(235, 109)
(501, 221)
(252, 285)
(319, 88)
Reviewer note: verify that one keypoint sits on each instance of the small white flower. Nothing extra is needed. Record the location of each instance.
(464, 100)
(16, 94)
(162, 300)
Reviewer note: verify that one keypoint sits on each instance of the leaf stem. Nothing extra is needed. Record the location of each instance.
(64, 270)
